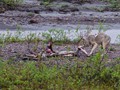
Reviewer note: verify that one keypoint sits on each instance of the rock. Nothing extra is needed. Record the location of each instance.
(2, 10)
(80, 1)
(33, 21)
(36, 11)
(73, 9)
(67, 8)
(50, 9)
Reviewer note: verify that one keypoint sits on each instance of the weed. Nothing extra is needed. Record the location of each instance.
(12, 2)
(90, 74)
(112, 49)
(114, 4)
(57, 35)
(46, 2)
(118, 39)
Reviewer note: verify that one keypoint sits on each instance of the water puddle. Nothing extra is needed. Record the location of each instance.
(101, 14)
(32, 2)
(95, 5)
(54, 14)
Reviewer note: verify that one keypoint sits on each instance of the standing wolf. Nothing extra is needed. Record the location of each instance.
(92, 40)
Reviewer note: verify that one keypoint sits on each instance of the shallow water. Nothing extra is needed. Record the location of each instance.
(54, 14)
(35, 2)
(71, 32)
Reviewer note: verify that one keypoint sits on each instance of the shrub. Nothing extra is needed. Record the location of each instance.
(91, 74)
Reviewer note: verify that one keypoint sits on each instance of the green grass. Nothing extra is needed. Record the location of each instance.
(118, 39)
(92, 74)
(12, 2)
(114, 4)
(59, 37)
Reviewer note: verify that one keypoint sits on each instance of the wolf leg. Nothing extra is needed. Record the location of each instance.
(84, 51)
(105, 46)
(94, 47)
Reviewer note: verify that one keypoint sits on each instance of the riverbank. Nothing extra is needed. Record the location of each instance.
(32, 16)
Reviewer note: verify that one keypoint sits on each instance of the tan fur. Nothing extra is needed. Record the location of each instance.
(94, 41)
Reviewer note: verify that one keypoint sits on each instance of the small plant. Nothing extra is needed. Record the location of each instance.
(101, 28)
(12, 2)
(118, 39)
(57, 35)
(90, 74)
(115, 3)
(46, 2)
(112, 49)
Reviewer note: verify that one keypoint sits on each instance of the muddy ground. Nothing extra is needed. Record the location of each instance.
(23, 51)
(57, 13)
(60, 13)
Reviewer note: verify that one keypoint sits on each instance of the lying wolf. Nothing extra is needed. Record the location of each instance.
(94, 41)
